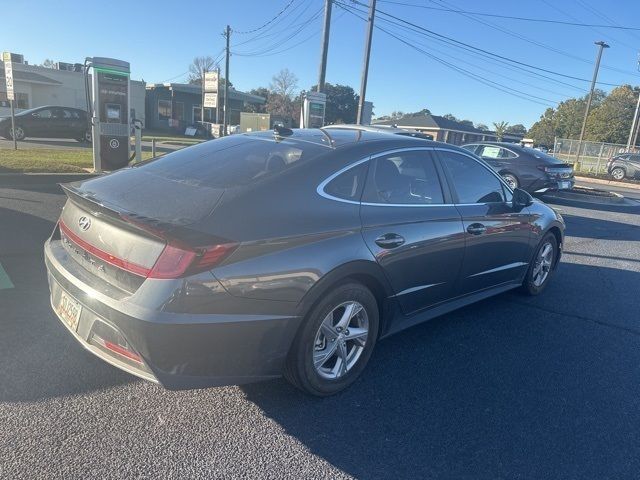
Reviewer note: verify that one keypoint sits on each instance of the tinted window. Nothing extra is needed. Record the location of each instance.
(404, 178)
(490, 151)
(471, 148)
(507, 153)
(231, 161)
(349, 184)
(472, 181)
(46, 113)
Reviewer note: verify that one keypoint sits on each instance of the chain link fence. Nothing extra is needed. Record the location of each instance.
(588, 157)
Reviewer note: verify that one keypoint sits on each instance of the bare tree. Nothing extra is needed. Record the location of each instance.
(48, 63)
(199, 66)
(282, 91)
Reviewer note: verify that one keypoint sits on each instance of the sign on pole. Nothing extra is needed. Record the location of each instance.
(211, 100)
(8, 75)
(210, 82)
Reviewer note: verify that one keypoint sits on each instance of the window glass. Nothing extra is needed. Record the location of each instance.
(507, 153)
(164, 109)
(348, 185)
(471, 148)
(404, 178)
(490, 151)
(231, 161)
(472, 181)
(46, 113)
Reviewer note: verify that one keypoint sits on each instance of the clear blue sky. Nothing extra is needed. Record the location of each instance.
(161, 38)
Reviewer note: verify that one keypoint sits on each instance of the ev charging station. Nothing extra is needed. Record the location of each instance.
(109, 108)
(313, 108)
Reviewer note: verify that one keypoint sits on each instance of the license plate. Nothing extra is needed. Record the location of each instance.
(564, 185)
(69, 310)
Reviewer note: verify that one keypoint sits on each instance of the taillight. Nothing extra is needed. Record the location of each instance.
(174, 262)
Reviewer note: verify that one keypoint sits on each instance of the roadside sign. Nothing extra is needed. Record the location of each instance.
(211, 81)
(8, 75)
(211, 100)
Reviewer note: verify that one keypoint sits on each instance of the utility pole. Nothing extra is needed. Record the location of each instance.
(633, 134)
(324, 48)
(602, 46)
(365, 66)
(225, 117)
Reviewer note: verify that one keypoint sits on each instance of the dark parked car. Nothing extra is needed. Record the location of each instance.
(48, 122)
(625, 165)
(254, 255)
(525, 167)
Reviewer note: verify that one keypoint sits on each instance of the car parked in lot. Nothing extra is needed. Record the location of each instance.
(525, 167)
(289, 252)
(48, 122)
(625, 165)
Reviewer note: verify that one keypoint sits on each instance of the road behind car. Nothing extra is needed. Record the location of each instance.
(547, 387)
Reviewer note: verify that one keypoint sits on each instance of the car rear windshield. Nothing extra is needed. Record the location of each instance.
(232, 161)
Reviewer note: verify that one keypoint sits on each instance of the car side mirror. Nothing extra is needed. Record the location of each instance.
(521, 198)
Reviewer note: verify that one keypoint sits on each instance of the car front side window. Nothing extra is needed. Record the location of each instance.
(472, 182)
(403, 178)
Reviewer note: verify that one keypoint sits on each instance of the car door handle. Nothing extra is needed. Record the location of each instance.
(476, 229)
(389, 240)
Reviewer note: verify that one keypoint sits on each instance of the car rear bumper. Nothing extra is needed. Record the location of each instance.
(179, 351)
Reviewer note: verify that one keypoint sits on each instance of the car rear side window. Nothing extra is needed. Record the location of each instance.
(472, 181)
(348, 185)
(403, 178)
(232, 161)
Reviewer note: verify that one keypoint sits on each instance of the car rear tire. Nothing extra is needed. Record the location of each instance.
(511, 180)
(618, 173)
(542, 266)
(335, 341)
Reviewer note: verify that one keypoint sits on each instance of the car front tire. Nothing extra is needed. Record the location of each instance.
(20, 133)
(335, 341)
(618, 173)
(542, 266)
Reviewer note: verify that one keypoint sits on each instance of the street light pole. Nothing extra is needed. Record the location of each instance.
(602, 46)
(365, 66)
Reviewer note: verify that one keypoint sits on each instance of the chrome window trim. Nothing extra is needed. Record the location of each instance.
(323, 184)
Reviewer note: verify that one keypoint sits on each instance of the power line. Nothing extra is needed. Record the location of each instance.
(510, 17)
(478, 49)
(498, 86)
(267, 23)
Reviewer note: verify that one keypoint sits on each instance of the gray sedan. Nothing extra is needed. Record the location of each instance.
(288, 252)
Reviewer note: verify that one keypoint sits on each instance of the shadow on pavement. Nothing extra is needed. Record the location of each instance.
(499, 389)
(596, 228)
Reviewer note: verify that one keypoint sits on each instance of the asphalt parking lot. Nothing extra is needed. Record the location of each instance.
(512, 387)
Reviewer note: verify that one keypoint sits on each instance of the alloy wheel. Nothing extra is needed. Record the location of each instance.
(544, 262)
(617, 173)
(340, 340)
(511, 181)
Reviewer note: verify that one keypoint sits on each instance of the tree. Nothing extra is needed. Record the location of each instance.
(199, 66)
(611, 120)
(500, 129)
(48, 63)
(281, 94)
(342, 104)
(543, 132)
(255, 108)
(451, 117)
(517, 129)
(481, 126)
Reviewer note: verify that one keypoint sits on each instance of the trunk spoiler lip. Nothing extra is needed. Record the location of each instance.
(175, 234)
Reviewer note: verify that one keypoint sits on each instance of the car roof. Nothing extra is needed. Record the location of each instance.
(338, 137)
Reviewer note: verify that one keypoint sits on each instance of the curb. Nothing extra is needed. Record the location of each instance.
(633, 186)
(616, 199)
(34, 179)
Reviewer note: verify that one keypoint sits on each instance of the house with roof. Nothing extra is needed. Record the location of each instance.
(444, 130)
